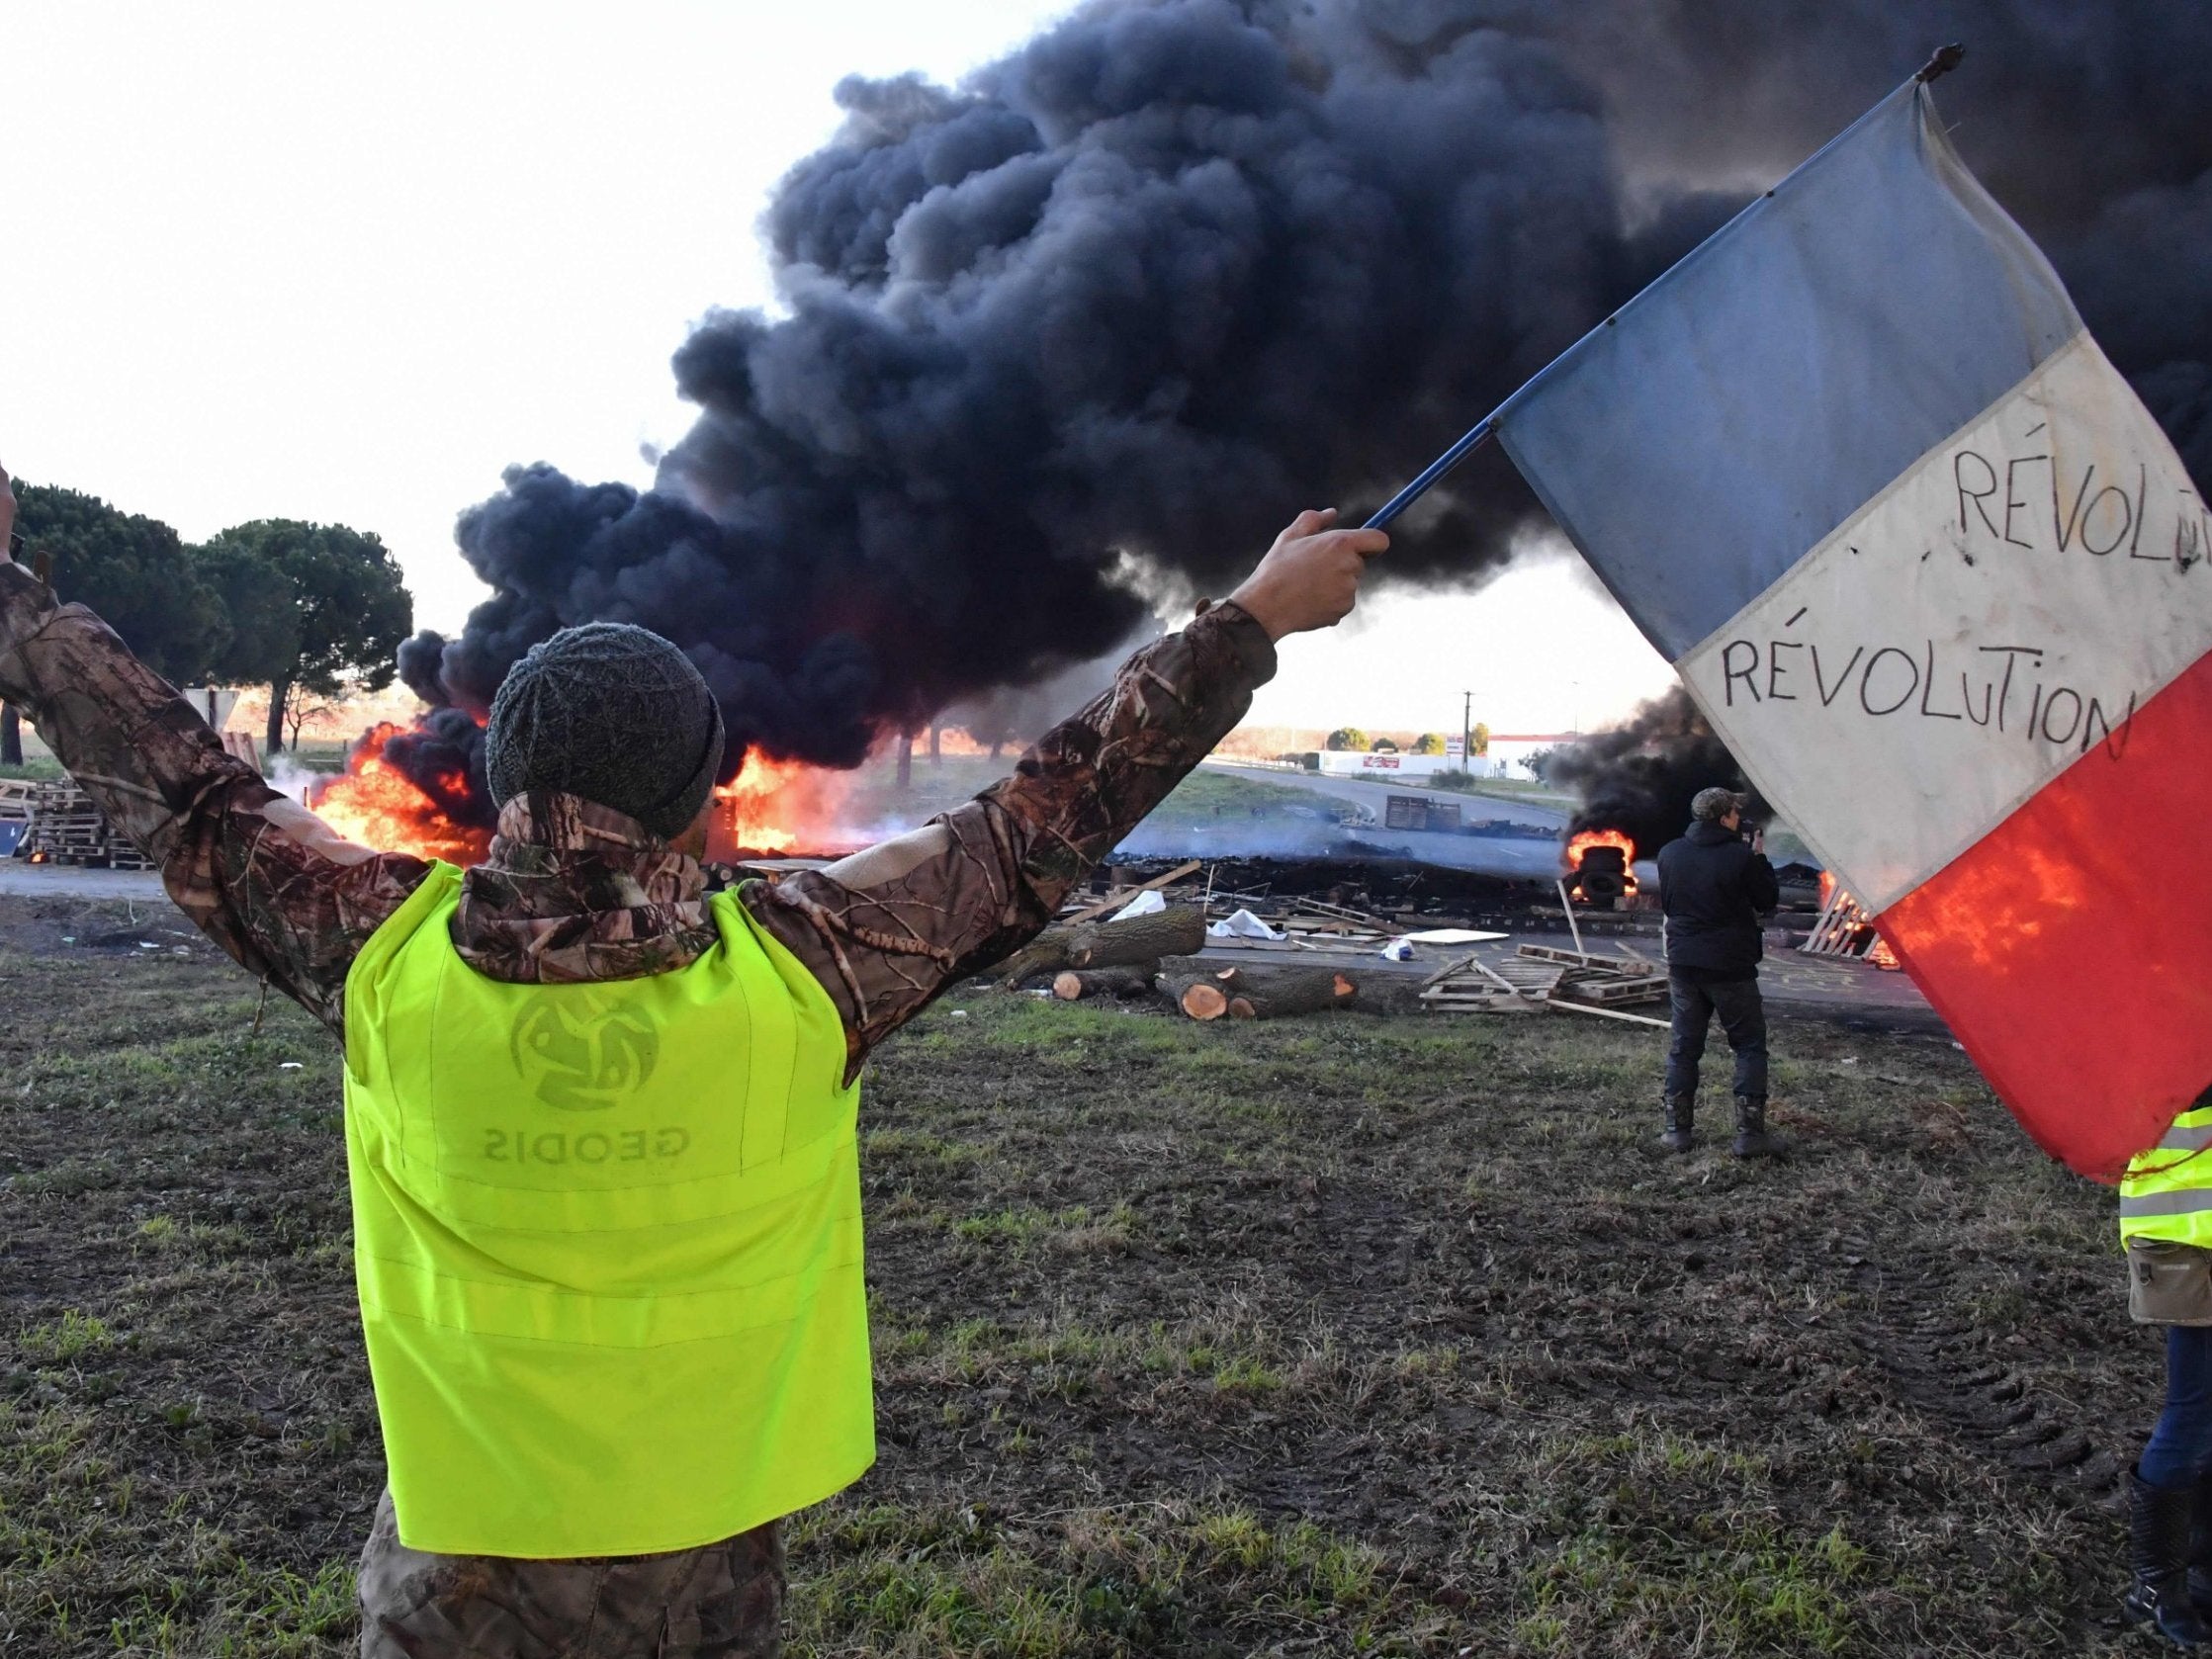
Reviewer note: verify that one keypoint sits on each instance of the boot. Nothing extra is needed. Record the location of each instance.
(2200, 1553)
(2159, 1523)
(1682, 1112)
(1751, 1138)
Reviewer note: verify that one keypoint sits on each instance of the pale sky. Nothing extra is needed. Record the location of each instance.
(346, 264)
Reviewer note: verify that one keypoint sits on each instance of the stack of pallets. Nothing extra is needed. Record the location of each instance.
(1539, 977)
(66, 827)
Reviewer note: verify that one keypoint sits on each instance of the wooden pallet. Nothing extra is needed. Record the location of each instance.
(1547, 977)
(65, 825)
(1469, 984)
(1845, 929)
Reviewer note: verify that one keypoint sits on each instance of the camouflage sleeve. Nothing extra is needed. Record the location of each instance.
(261, 875)
(888, 930)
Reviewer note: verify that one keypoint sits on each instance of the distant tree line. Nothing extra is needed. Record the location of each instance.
(309, 610)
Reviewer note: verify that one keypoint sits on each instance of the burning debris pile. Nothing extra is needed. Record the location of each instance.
(436, 810)
(1601, 866)
(1637, 780)
(1073, 339)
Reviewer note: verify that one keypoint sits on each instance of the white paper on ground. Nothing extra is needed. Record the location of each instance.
(1400, 949)
(1144, 903)
(1242, 925)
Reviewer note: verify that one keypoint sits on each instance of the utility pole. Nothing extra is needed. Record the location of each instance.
(1466, 735)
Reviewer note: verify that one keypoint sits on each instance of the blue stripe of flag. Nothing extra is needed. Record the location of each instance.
(1700, 442)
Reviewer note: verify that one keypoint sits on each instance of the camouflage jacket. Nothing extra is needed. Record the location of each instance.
(573, 891)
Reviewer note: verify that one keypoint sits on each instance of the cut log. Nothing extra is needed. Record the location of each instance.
(1178, 931)
(1278, 995)
(1072, 984)
(1202, 997)
(1388, 994)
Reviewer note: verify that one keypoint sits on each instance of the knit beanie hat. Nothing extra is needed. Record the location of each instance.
(614, 713)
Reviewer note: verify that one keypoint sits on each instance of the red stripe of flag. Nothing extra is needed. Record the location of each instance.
(2071, 948)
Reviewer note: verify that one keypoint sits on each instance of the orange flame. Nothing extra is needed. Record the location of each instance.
(1853, 914)
(377, 805)
(770, 806)
(778, 806)
(1583, 840)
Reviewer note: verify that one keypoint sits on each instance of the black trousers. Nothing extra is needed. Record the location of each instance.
(1743, 1016)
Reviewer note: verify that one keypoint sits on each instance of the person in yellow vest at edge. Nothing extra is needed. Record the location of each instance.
(2166, 1225)
(600, 1122)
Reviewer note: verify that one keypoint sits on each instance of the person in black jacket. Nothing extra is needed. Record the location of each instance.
(1713, 886)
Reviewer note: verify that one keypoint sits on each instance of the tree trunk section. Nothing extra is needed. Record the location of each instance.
(11, 736)
(278, 695)
(1388, 994)
(1072, 984)
(1178, 931)
(1277, 993)
(1199, 996)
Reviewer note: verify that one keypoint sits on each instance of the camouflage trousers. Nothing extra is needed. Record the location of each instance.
(723, 1600)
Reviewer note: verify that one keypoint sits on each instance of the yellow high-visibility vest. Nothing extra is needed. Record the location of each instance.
(607, 1239)
(2167, 1193)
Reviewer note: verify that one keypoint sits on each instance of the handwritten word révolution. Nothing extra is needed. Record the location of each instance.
(2001, 500)
(2000, 688)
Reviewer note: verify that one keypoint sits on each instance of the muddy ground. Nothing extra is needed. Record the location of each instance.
(1325, 1336)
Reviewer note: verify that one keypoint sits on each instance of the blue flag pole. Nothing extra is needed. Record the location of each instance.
(1435, 470)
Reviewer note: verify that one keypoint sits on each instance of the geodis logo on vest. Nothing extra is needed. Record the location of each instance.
(582, 1053)
(579, 1053)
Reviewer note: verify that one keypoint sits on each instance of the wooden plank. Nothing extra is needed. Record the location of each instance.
(1610, 1014)
(1613, 996)
(1585, 958)
(1567, 904)
(1496, 1003)
(1321, 907)
(1491, 973)
(1113, 901)
(1458, 965)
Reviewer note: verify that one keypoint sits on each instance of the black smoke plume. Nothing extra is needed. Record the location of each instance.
(1124, 301)
(1640, 776)
(1129, 297)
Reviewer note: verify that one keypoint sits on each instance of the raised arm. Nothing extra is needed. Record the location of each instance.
(889, 929)
(256, 871)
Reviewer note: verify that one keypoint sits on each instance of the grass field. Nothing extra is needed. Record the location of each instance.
(1333, 1337)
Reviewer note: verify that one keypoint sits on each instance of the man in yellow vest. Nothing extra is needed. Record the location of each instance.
(2166, 1225)
(599, 1122)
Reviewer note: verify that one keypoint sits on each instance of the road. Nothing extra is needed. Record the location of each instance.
(1503, 855)
(67, 881)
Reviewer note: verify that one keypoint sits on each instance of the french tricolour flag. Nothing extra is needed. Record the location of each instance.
(1940, 582)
